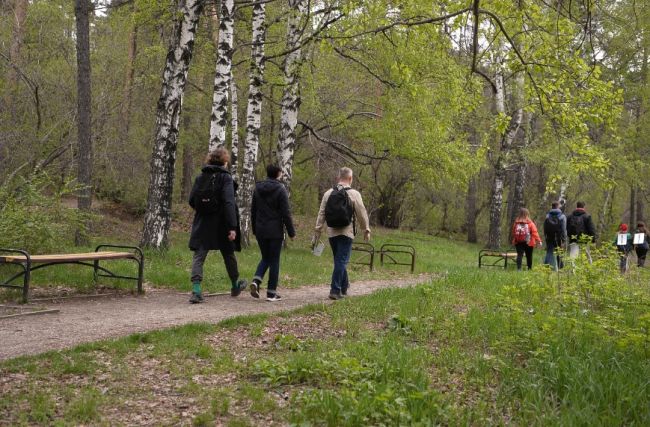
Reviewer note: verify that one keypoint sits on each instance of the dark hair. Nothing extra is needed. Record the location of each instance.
(272, 171)
(555, 205)
(580, 205)
(640, 225)
(218, 157)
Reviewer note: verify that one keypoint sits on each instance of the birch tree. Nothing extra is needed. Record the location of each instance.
(234, 125)
(291, 95)
(253, 117)
(222, 76)
(161, 184)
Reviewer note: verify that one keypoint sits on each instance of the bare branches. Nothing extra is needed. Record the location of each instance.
(355, 156)
(31, 85)
(364, 66)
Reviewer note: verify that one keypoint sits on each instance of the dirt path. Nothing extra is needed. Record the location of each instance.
(86, 320)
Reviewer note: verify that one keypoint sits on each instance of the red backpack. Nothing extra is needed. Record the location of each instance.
(522, 232)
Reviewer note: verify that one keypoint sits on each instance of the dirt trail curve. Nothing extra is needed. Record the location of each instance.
(86, 320)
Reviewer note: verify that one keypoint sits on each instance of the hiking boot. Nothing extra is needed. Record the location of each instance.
(241, 285)
(255, 289)
(335, 296)
(273, 297)
(196, 298)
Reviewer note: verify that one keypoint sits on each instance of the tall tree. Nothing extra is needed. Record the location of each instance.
(157, 218)
(83, 9)
(17, 36)
(128, 81)
(253, 117)
(291, 95)
(234, 124)
(222, 76)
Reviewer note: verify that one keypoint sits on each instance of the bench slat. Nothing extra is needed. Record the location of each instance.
(89, 256)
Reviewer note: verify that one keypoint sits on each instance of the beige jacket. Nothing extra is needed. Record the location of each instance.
(359, 211)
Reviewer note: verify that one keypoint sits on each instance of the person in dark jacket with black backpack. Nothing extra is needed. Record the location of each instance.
(216, 222)
(270, 215)
(579, 224)
(555, 235)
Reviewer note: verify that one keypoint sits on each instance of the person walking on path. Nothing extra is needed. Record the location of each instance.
(216, 222)
(623, 242)
(270, 215)
(525, 237)
(340, 209)
(641, 249)
(555, 234)
(579, 225)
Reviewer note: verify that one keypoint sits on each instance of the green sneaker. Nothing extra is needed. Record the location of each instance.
(241, 285)
(196, 298)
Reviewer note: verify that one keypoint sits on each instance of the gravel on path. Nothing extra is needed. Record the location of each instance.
(92, 319)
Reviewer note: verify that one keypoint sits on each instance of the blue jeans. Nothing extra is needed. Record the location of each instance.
(270, 249)
(551, 258)
(341, 249)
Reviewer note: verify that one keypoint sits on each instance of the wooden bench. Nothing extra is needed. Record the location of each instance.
(496, 258)
(31, 263)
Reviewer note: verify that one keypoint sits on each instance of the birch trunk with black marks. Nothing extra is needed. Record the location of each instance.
(521, 167)
(253, 118)
(222, 76)
(157, 218)
(234, 124)
(83, 9)
(505, 146)
(291, 96)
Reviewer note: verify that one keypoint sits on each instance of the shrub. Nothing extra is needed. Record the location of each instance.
(33, 217)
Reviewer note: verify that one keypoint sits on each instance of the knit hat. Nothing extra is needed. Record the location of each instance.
(623, 228)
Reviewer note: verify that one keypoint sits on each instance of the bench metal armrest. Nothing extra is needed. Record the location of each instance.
(28, 258)
(136, 249)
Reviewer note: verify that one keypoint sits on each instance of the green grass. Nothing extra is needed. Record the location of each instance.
(471, 347)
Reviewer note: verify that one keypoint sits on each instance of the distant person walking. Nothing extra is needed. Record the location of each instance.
(216, 222)
(580, 225)
(525, 237)
(340, 208)
(642, 248)
(623, 242)
(270, 215)
(555, 235)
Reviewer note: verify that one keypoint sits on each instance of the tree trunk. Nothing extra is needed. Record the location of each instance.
(157, 218)
(253, 118)
(500, 167)
(222, 76)
(633, 203)
(640, 207)
(470, 211)
(17, 37)
(234, 124)
(291, 96)
(128, 84)
(83, 9)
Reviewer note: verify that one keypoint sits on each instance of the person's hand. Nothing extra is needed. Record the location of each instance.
(540, 244)
(366, 235)
(232, 235)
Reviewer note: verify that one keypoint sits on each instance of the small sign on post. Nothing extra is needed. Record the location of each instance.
(639, 238)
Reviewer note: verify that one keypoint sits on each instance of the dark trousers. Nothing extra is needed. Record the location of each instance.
(640, 254)
(341, 249)
(552, 258)
(228, 258)
(524, 248)
(270, 249)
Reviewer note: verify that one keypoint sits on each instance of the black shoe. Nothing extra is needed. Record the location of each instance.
(344, 292)
(196, 298)
(241, 285)
(255, 289)
(273, 297)
(335, 296)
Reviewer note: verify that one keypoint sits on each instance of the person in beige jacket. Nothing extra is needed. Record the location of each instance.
(341, 237)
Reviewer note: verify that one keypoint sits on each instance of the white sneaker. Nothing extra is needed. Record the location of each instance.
(273, 298)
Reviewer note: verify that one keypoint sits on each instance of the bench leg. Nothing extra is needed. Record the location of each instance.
(140, 275)
(26, 280)
(505, 264)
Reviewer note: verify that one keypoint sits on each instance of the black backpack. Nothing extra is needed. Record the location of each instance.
(206, 195)
(575, 225)
(553, 228)
(339, 211)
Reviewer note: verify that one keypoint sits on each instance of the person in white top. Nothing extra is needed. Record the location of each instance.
(341, 208)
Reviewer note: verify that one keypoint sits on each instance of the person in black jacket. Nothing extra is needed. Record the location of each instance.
(216, 227)
(270, 214)
(579, 224)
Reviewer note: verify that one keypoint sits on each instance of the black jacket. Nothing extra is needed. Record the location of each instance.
(270, 211)
(579, 223)
(210, 231)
